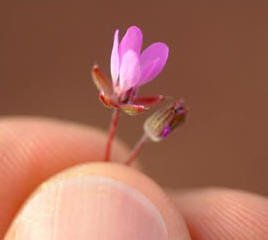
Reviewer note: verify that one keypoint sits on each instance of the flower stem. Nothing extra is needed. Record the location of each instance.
(112, 129)
(137, 148)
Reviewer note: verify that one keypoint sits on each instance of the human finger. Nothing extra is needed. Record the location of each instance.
(33, 149)
(224, 214)
(99, 201)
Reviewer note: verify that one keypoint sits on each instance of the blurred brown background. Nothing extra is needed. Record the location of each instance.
(218, 64)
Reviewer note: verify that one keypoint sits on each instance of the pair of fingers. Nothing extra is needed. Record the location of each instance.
(100, 201)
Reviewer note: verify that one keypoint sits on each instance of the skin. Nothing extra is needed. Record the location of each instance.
(32, 150)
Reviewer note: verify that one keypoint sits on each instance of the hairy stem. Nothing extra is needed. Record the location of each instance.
(112, 130)
(137, 148)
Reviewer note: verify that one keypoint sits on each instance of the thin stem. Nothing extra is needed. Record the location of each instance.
(112, 129)
(137, 148)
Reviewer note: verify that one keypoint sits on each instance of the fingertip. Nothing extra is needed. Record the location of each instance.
(101, 200)
(33, 149)
(218, 213)
(50, 133)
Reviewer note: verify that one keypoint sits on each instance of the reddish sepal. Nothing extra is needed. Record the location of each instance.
(107, 101)
(132, 109)
(101, 81)
(148, 102)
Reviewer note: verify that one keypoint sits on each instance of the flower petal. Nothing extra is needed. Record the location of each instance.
(152, 61)
(129, 71)
(115, 58)
(132, 40)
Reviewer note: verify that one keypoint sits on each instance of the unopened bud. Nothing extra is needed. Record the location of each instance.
(159, 125)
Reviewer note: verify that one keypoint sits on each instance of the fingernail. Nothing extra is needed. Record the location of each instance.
(91, 207)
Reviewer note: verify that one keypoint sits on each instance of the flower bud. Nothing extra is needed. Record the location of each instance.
(159, 125)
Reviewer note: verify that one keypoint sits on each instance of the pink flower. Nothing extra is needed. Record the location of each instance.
(131, 68)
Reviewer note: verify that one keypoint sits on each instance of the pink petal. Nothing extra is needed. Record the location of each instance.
(152, 61)
(132, 40)
(115, 58)
(129, 70)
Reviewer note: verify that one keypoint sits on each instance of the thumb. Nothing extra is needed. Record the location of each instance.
(98, 201)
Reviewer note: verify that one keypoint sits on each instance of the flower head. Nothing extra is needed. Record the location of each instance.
(131, 68)
(159, 125)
